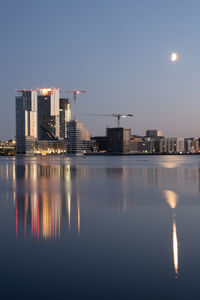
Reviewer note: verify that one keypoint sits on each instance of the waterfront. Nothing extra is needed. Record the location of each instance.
(100, 227)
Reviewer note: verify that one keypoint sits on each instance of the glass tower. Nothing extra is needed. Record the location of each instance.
(26, 120)
(48, 114)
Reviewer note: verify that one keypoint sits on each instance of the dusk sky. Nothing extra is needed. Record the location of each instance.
(116, 50)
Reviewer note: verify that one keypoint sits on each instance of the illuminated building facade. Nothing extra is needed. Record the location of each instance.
(26, 120)
(48, 114)
(46, 147)
(65, 116)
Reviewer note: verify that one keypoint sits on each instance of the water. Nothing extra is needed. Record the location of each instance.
(100, 228)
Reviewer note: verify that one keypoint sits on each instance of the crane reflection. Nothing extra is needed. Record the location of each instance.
(172, 199)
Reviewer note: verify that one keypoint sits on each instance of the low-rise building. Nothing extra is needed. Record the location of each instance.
(191, 145)
(119, 140)
(138, 144)
(172, 145)
(99, 143)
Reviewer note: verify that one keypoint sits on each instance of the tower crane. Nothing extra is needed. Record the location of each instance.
(75, 92)
(116, 115)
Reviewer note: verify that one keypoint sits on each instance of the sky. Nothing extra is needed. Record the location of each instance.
(117, 50)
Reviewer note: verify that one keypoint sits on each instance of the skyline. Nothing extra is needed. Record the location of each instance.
(119, 52)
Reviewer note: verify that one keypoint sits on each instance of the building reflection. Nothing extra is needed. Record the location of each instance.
(46, 200)
(172, 199)
(49, 196)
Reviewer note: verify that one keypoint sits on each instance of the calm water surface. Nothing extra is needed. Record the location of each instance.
(100, 228)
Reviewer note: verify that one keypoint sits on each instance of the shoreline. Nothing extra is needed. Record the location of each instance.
(102, 154)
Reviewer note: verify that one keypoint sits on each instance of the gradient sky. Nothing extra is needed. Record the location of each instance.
(117, 50)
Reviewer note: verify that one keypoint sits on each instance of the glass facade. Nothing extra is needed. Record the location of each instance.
(26, 119)
(48, 115)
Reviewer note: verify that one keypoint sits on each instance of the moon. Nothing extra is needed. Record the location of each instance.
(174, 56)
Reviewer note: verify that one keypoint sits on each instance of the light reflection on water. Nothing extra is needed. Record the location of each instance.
(172, 200)
(43, 195)
(105, 202)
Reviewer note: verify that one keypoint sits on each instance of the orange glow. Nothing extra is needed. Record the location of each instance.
(46, 91)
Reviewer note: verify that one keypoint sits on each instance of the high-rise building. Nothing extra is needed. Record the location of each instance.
(48, 114)
(78, 138)
(65, 116)
(26, 120)
(119, 140)
(44, 126)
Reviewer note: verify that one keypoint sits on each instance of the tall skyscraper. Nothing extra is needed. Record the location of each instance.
(44, 126)
(65, 116)
(26, 120)
(48, 114)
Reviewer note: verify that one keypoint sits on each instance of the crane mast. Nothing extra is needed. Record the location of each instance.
(75, 92)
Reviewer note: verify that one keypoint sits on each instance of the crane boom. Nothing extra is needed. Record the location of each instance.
(116, 115)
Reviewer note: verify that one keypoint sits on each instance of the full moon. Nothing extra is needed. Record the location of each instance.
(174, 56)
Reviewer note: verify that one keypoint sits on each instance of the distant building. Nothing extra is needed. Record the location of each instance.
(119, 140)
(191, 145)
(65, 116)
(77, 139)
(153, 133)
(138, 144)
(48, 114)
(172, 145)
(7, 147)
(26, 120)
(152, 140)
(153, 144)
(45, 147)
(99, 143)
